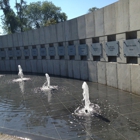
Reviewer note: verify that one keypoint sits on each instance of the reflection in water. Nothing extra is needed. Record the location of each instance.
(21, 85)
(48, 93)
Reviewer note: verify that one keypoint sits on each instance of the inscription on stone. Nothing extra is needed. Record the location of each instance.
(43, 51)
(2, 54)
(96, 49)
(10, 53)
(18, 52)
(34, 52)
(71, 50)
(83, 50)
(26, 52)
(131, 47)
(61, 51)
(51, 51)
(112, 48)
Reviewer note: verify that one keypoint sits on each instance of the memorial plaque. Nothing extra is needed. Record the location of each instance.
(71, 50)
(18, 53)
(2, 54)
(83, 51)
(34, 52)
(61, 51)
(43, 51)
(96, 49)
(26, 52)
(10, 53)
(131, 47)
(51, 51)
(112, 48)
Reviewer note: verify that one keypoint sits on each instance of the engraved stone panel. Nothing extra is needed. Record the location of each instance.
(51, 51)
(26, 52)
(2, 53)
(83, 51)
(61, 51)
(18, 52)
(71, 50)
(10, 53)
(112, 48)
(96, 49)
(43, 51)
(34, 52)
(131, 47)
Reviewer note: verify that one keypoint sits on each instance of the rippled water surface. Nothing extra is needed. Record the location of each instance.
(26, 111)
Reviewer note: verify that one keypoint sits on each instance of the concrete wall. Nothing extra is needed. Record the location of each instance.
(110, 23)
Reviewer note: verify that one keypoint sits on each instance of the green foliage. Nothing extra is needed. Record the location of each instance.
(92, 9)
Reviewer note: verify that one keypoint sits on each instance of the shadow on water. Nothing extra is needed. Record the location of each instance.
(101, 117)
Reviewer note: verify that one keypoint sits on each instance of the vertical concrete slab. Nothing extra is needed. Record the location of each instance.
(74, 29)
(99, 22)
(60, 32)
(110, 19)
(10, 41)
(28, 66)
(134, 10)
(122, 16)
(70, 69)
(121, 38)
(53, 33)
(124, 76)
(135, 79)
(34, 65)
(2, 65)
(90, 25)
(92, 71)
(47, 34)
(84, 70)
(50, 67)
(67, 29)
(4, 41)
(81, 27)
(7, 65)
(13, 65)
(111, 74)
(39, 66)
(1, 45)
(56, 67)
(101, 72)
(42, 35)
(63, 68)
(20, 39)
(76, 69)
(31, 37)
(36, 37)
(44, 66)
(25, 39)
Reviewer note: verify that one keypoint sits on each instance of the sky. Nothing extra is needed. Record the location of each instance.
(72, 8)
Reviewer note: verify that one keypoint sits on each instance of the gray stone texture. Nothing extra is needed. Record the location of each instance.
(7, 65)
(34, 65)
(28, 65)
(47, 34)
(13, 65)
(50, 67)
(99, 22)
(25, 38)
(20, 39)
(84, 70)
(9, 40)
(31, 37)
(90, 25)
(36, 37)
(60, 32)
(4, 41)
(92, 71)
(53, 33)
(122, 16)
(42, 36)
(111, 74)
(76, 69)
(81, 27)
(63, 68)
(74, 29)
(39, 66)
(56, 67)
(110, 19)
(2, 65)
(135, 79)
(70, 69)
(101, 69)
(67, 30)
(124, 77)
(44, 66)
(134, 10)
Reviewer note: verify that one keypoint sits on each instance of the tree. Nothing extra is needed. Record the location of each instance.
(9, 20)
(92, 9)
(43, 14)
